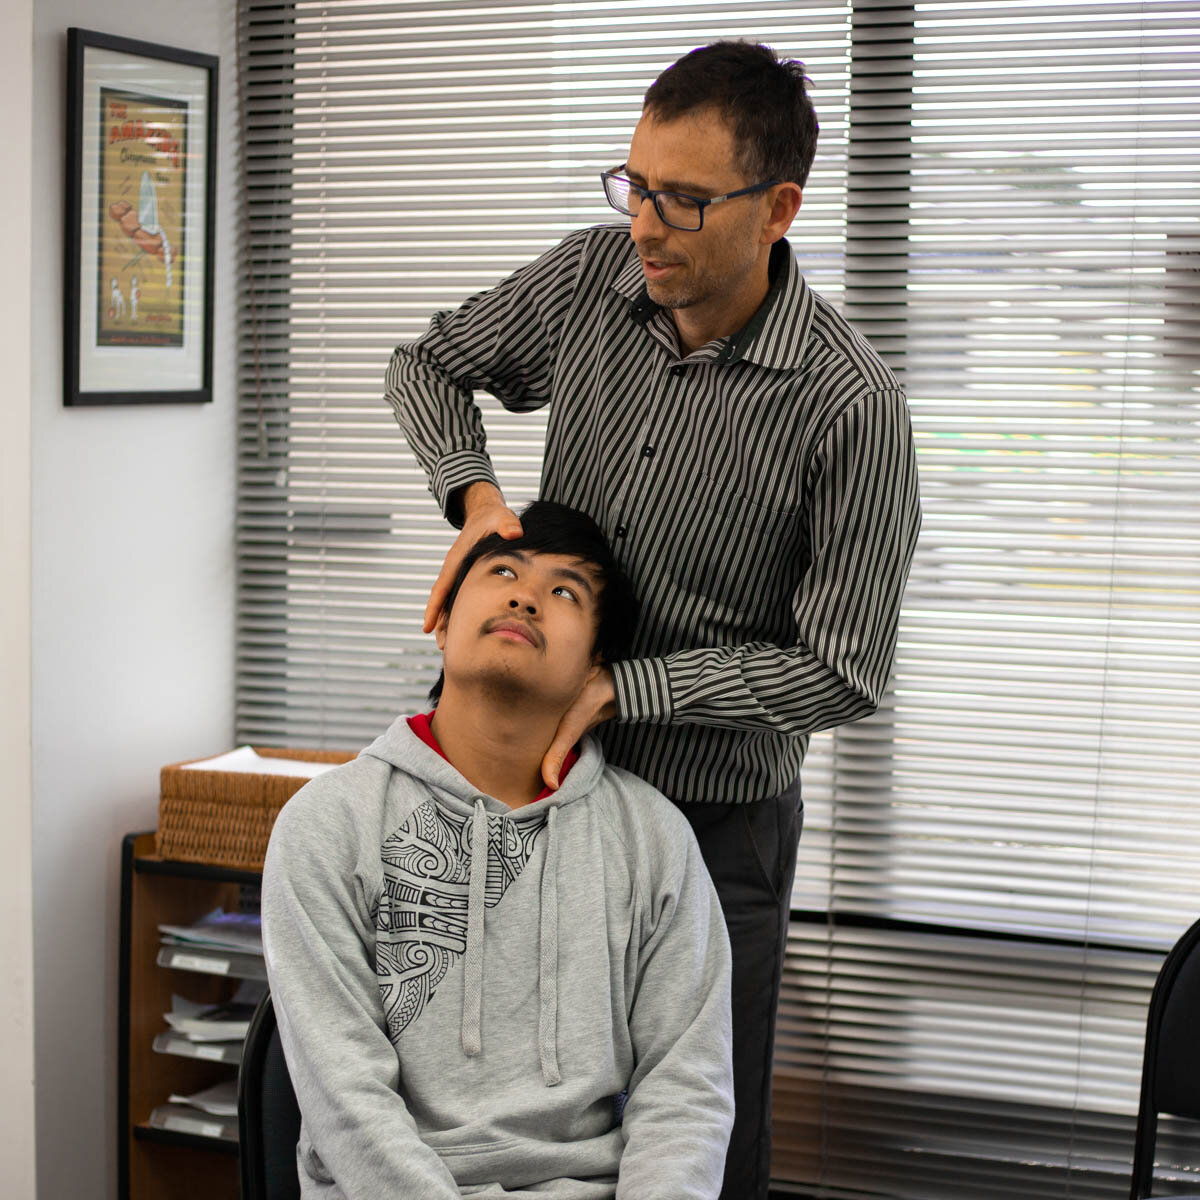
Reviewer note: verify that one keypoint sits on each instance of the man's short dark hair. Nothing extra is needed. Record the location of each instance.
(762, 98)
(551, 528)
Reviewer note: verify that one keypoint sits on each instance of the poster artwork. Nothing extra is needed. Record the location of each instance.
(143, 166)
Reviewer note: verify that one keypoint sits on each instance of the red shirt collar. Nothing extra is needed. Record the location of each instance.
(422, 727)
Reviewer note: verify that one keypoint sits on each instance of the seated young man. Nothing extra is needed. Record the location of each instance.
(471, 974)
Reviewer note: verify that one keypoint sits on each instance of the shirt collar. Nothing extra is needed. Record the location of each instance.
(774, 337)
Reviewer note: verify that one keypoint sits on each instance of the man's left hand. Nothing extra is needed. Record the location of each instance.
(595, 703)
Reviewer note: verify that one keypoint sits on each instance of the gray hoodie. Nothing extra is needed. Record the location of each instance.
(460, 1023)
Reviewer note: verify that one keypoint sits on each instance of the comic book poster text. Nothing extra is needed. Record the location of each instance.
(143, 165)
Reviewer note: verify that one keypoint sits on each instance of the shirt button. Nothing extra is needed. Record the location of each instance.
(677, 371)
(647, 451)
(621, 531)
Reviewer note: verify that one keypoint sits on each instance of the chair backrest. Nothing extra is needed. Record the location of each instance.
(268, 1115)
(1171, 1060)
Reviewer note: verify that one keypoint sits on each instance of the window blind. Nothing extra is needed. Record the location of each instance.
(1004, 202)
(399, 157)
(1010, 844)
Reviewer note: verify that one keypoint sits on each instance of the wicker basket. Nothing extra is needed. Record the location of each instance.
(225, 817)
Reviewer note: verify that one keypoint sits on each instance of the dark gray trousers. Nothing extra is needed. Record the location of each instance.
(750, 850)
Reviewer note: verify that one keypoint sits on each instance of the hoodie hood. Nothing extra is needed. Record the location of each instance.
(499, 841)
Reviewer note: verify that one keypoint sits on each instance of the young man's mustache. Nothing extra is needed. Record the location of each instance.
(511, 623)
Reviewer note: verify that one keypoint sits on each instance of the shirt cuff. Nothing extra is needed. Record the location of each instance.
(643, 691)
(455, 471)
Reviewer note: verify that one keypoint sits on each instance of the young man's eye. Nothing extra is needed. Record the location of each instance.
(503, 570)
(566, 591)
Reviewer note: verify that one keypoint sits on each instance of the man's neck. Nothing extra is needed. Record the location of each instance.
(723, 316)
(495, 744)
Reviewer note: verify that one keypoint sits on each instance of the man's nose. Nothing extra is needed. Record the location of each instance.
(646, 225)
(523, 602)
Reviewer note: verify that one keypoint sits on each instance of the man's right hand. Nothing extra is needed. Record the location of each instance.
(484, 512)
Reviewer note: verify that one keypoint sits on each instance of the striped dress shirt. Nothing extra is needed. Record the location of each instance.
(761, 491)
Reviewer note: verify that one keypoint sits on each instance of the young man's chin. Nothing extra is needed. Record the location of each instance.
(505, 684)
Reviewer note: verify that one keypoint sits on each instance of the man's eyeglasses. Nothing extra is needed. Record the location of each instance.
(677, 209)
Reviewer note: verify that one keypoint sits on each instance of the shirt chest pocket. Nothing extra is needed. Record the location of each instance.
(737, 554)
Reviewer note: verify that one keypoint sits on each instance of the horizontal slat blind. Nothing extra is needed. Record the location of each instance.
(1046, 720)
(1004, 202)
(947, 1106)
(921, 1063)
(1025, 246)
(399, 157)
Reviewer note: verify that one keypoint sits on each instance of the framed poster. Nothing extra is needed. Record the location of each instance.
(141, 184)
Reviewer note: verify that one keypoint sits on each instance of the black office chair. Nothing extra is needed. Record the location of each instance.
(268, 1116)
(1171, 1061)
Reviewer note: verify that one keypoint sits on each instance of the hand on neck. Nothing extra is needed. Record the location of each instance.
(496, 741)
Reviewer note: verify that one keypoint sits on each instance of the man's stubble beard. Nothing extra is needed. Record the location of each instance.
(694, 291)
(681, 297)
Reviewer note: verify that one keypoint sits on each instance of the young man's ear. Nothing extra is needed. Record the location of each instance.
(439, 630)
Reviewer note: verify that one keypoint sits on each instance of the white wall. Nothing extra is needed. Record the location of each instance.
(16, 928)
(133, 593)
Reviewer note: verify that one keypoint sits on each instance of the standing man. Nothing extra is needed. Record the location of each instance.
(750, 459)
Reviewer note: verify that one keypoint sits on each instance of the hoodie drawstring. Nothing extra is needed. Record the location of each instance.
(472, 1014)
(548, 959)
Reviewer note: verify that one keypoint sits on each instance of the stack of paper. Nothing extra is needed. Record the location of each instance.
(219, 1100)
(219, 930)
(247, 759)
(220, 943)
(180, 1045)
(211, 1113)
(225, 1022)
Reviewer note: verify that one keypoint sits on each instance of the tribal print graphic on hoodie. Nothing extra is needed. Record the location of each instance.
(422, 919)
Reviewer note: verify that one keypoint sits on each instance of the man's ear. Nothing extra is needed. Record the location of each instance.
(439, 630)
(784, 208)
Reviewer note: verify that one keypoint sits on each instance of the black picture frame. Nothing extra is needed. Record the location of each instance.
(140, 197)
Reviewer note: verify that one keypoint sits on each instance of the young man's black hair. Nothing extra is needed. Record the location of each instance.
(550, 528)
(763, 98)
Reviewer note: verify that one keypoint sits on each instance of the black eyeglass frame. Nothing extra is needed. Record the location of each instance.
(653, 194)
